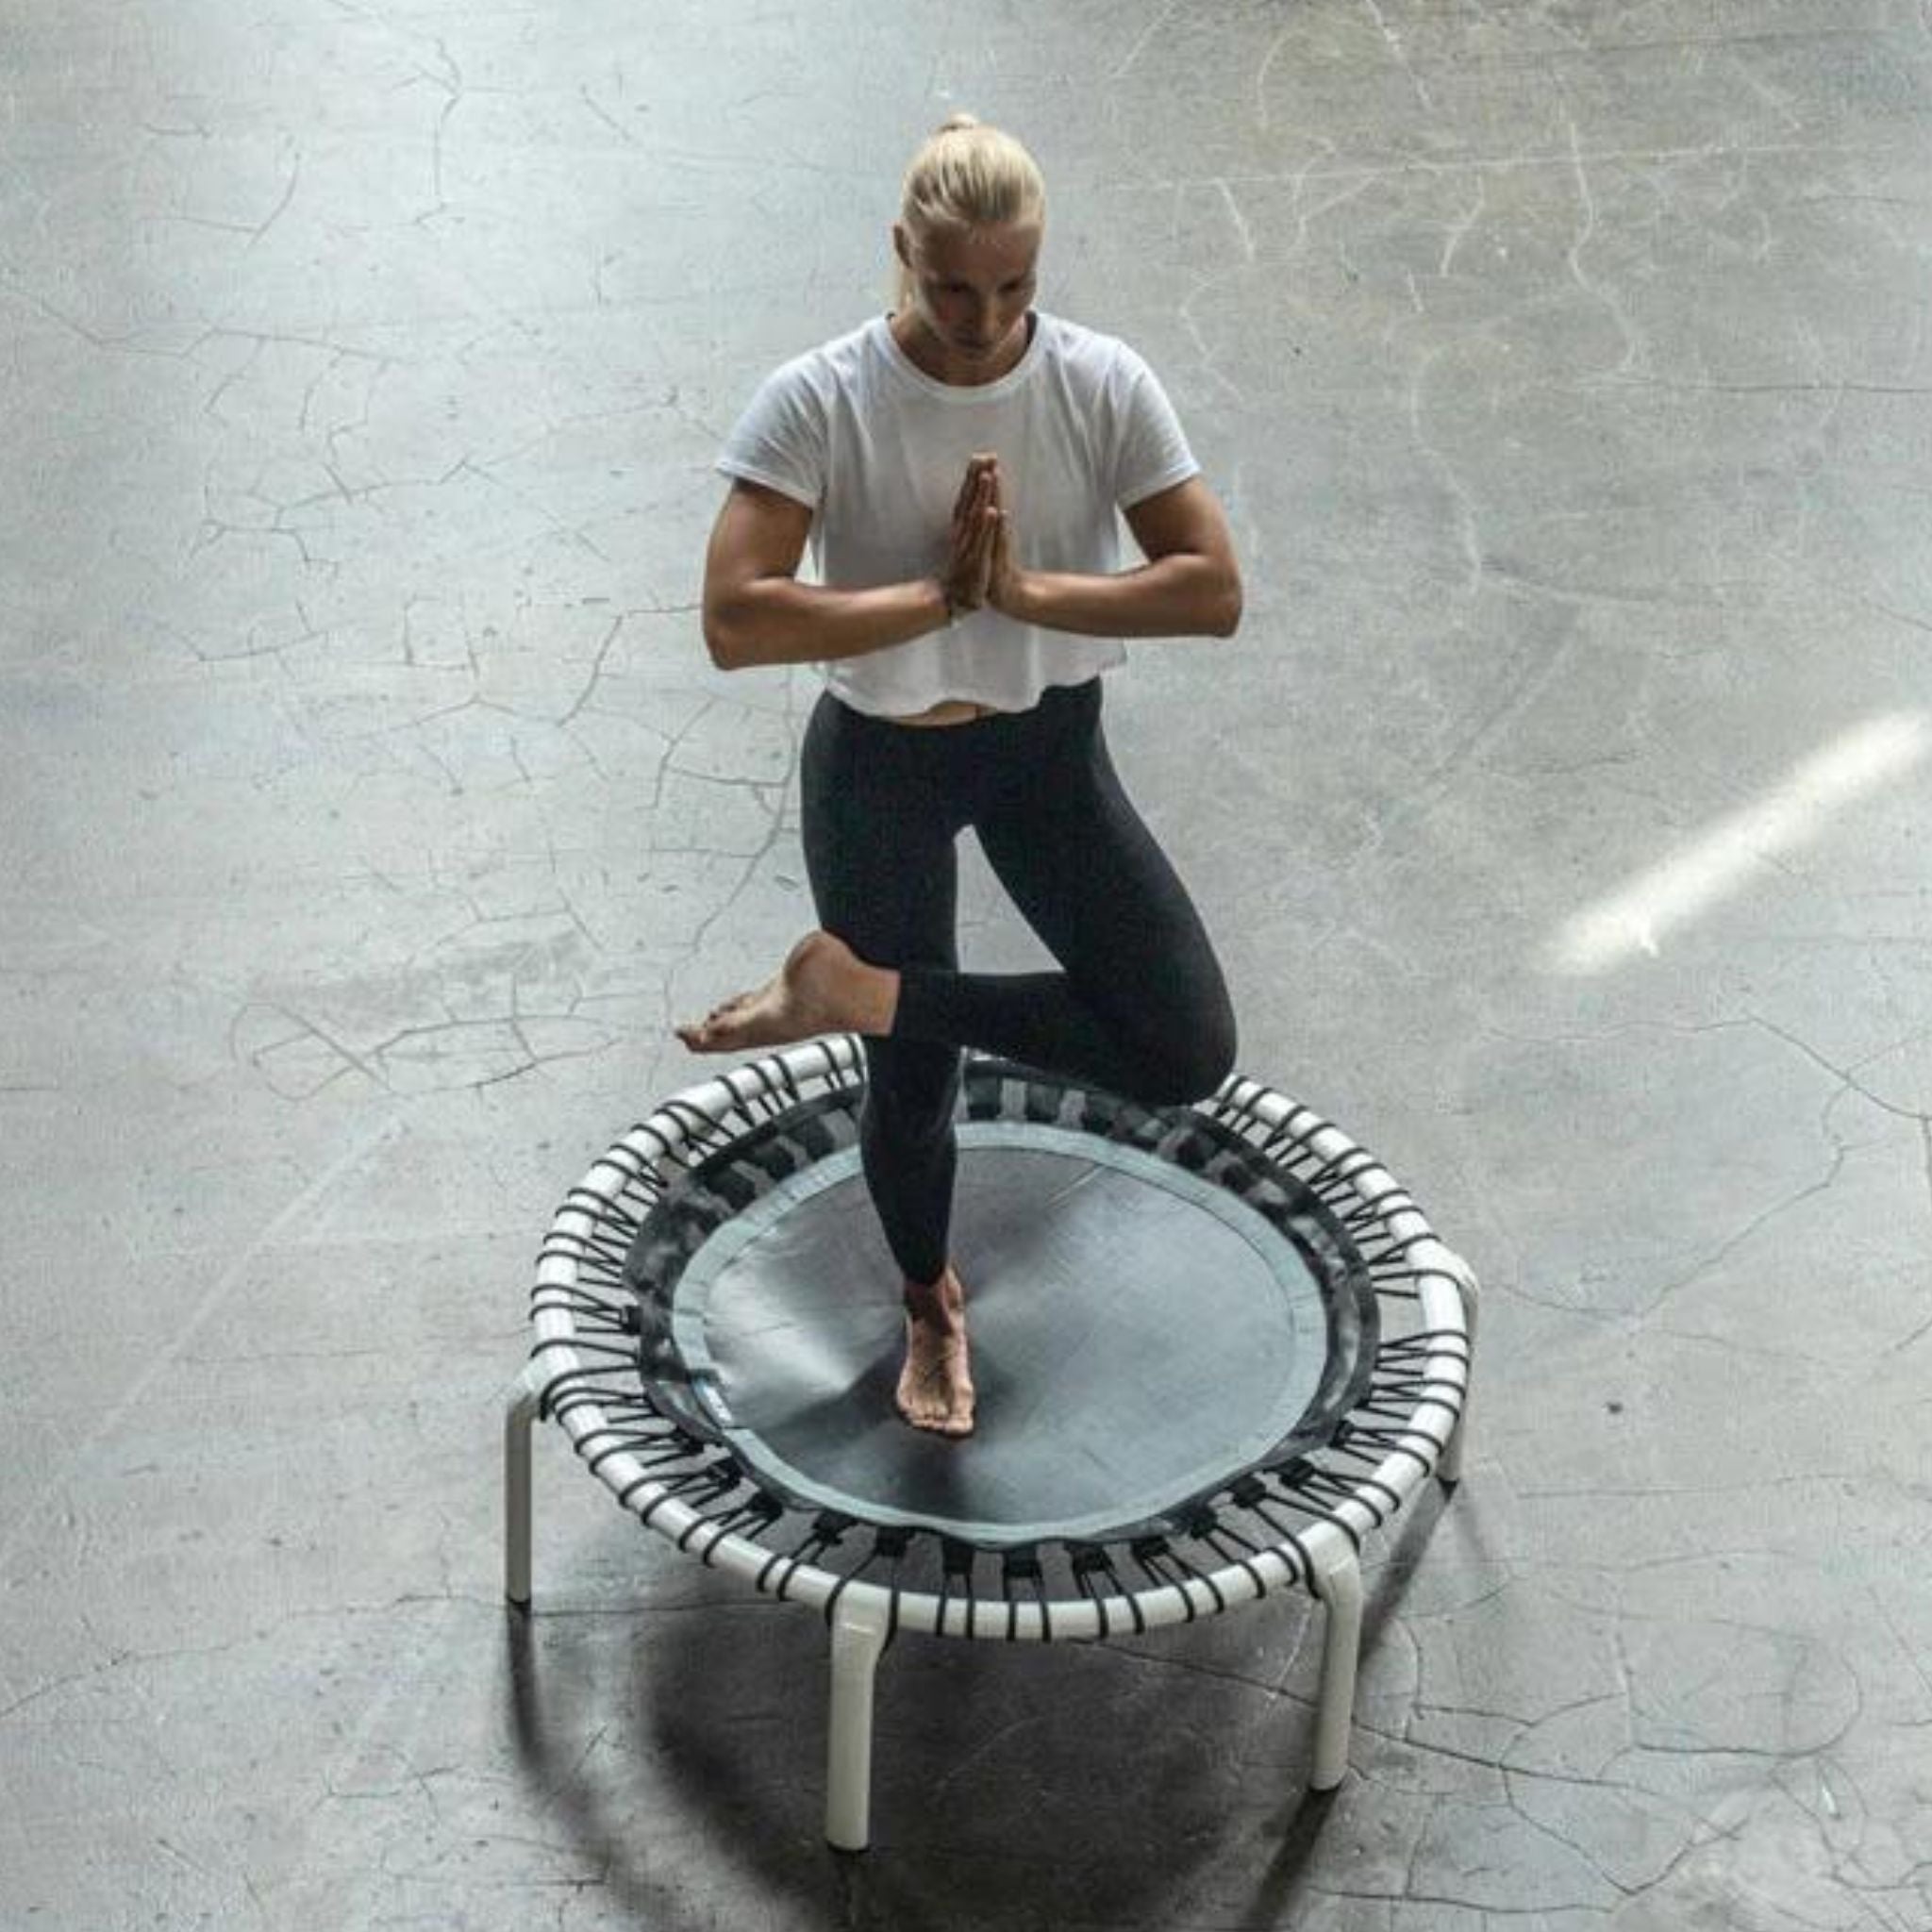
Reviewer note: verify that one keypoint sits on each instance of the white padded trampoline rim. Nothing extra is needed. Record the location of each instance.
(1442, 1280)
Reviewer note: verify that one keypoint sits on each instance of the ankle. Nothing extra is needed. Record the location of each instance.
(877, 1001)
(938, 1304)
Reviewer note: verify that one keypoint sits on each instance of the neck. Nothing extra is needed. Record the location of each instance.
(931, 355)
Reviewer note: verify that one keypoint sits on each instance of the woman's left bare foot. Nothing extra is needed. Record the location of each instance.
(824, 987)
(936, 1384)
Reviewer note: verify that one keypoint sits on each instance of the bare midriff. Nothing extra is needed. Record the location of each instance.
(951, 711)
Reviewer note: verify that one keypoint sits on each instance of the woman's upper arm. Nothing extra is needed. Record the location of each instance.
(1187, 518)
(1188, 521)
(759, 533)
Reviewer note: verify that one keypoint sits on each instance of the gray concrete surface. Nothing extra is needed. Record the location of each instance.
(370, 808)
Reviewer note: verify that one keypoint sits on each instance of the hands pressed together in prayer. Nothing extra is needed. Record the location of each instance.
(980, 571)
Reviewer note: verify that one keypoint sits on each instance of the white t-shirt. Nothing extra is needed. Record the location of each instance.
(876, 449)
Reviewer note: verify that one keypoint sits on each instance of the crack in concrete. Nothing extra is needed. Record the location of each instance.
(1467, 524)
(350, 1062)
(1457, 232)
(603, 114)
(1262, 73)
(1582, 239)
(776, 828)
(1210, 361)
(1848, 1075)
(1400, 53)
(1521, 681)
(1564, 160)
(1729, 1246)
(281, 207)
(123, 1660)
(597, 665)
(1167, 12)
(1121, 1644)
(1767, 38)
(1611, 1492)
(1240, 221)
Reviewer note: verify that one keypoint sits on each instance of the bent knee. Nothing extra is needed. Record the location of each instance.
(1191, 1063)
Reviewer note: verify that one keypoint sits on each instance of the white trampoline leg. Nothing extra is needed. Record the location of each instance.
(516, 1491)
(1338, 1584)
(1449, 1464)
(858, 1636)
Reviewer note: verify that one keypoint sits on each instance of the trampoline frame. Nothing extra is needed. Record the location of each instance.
(1323, 1556)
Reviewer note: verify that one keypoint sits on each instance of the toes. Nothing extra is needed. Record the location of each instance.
(710, 1034)
(939, 1411)
(931, 1409)
(949, 1426)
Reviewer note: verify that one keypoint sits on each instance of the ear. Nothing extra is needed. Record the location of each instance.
(901, 244)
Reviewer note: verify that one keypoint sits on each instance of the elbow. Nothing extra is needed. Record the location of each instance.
(1226, 617)
(723, 637)
(743, 629)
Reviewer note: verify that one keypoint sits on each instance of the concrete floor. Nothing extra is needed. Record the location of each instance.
(370, 807)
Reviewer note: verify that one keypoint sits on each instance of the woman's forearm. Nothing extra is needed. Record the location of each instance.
(777, 620)
(1182, 595)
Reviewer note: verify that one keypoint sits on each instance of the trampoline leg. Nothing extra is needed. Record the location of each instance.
(1449, 1464)
(858, 1636)
(516, 1491)
(1338, 1584)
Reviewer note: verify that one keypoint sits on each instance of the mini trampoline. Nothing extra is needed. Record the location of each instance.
(1215, 1347)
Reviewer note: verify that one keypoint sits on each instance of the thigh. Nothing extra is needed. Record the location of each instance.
(884, 872)
(1092, 880)
(878, 852)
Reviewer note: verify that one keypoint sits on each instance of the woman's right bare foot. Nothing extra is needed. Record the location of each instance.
(824, 987)
(936, 1384)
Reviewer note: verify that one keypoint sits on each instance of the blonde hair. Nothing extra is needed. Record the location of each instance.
(969, 176)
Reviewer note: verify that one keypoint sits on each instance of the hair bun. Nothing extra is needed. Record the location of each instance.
(958, 123)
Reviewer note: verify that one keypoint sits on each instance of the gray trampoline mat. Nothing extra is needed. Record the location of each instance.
(1136, 1333)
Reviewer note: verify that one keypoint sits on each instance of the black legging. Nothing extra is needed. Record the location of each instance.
(1139, 1007)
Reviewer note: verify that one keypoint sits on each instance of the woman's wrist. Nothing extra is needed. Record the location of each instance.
(1016, 597)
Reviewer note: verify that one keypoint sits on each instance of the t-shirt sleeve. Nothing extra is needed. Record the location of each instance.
(1152, 455)
(780, 440)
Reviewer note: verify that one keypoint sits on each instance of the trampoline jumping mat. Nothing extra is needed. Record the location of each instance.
(1140, 1333)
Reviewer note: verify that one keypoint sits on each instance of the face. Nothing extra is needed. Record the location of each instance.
(971, 287)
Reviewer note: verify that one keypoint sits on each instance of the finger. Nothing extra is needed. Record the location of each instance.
(998, 563)
(971, 483)
(963, 568)
(971, 566)
(985, 526)
(965, 586)
(985, 538)
(969, 489)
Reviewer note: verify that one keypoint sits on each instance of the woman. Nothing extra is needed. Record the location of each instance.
(957, 466)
